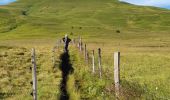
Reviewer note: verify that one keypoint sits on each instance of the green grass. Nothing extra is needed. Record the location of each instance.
(100, 17)
(16, 74)
(144, 43)
(144, 75)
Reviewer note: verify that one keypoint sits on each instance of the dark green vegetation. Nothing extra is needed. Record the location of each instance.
(141, 34)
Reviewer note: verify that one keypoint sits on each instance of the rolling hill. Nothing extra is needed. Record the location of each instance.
(39, 18)
(140, 33)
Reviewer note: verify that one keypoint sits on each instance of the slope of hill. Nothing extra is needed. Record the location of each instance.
(39, 18)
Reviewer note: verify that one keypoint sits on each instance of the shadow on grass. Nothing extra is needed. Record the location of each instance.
(66, 68)
(4, 95)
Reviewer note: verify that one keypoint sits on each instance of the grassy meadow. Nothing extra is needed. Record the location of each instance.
(143, 40)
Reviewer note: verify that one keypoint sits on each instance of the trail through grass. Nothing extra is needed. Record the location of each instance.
(141, 34)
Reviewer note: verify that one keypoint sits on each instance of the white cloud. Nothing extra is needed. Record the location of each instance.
(158, 3)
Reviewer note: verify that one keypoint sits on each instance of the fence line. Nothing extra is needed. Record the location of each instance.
(85, 53)
(34, 75)
(116, 66)
(117, 73)
(86, 57)
(100, 64)
(79, 44)
(93, 62)
(53, 56)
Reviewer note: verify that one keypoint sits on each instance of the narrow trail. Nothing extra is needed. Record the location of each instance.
(66, 68)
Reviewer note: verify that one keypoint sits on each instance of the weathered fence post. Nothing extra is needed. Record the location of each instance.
(87, 59)
(80, 44)
(34, 75)
(65, 43)
(53, 56)
(117, 73)
(93, 64)
(99, 61)
(85, 53)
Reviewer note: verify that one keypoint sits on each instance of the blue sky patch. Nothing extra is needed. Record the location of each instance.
(156, 3)
(4, 2)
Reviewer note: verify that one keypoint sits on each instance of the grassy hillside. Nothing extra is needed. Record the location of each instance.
(38, 18)
(143, 40)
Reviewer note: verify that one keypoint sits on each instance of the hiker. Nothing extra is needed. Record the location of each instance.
(66, 41)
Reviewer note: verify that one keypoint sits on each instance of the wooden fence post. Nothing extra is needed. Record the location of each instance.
(87, 59)
(80, 44)
(53, 56)
(34, 75)
(85, 53)
(93, 63)
(65, 43)
(117, 73)
(99, 61)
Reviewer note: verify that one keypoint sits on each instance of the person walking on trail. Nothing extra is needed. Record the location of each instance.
(66, 41)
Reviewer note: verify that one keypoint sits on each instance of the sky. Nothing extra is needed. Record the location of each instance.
(156, 3)
(4, 2)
